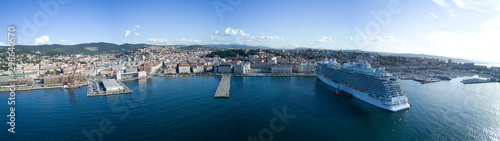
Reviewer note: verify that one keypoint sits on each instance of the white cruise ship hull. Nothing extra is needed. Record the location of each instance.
(394, 104)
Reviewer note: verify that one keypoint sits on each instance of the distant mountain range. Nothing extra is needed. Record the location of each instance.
(236, 46)
(102, 47)
(86, 48)
(223, 46)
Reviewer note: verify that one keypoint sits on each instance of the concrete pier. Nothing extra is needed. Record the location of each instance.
(224, 86)
(94, 88)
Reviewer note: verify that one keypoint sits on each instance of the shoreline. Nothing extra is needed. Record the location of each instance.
(177, 75)
(38, 88)
(240, 75)
(186, 75)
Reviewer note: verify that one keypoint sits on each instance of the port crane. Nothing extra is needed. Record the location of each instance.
(71, 78)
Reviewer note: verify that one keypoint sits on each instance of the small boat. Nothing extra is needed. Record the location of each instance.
(362, 90)
(355, 87)
(338, 92)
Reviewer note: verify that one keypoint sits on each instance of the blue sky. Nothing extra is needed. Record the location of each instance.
(456, 28)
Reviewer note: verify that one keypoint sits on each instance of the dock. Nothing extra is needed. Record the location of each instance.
(102, 87)
(224, 86)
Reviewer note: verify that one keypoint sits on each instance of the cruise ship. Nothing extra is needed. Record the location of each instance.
(372, 85)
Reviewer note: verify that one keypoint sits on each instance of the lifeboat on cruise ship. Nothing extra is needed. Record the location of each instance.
(362, 90)
(338, 92)
(350, 85)
(355, 87)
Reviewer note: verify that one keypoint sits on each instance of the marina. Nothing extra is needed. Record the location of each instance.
(224, 86)
(478, 80)
(101, 86)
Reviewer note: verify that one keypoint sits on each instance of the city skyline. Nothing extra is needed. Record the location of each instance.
(454, 28)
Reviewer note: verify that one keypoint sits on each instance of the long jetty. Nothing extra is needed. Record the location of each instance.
(224, 86)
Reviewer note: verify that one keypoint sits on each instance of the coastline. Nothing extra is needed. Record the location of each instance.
(243, 75)
(176, 75)
(38, 88)
(208, 74)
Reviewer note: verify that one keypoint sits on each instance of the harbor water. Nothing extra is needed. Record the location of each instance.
(277, 108)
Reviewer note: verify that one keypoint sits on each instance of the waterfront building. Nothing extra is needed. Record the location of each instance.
(262, 66)
(195, 68)
(152, 67)
(281, 69)
(240, 69)
(209, 68)
(184, 68)
(111, 85)
(225, 68)
(305, 67)
(170, 70)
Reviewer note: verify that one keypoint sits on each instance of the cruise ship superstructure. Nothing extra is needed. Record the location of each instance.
(372, 85)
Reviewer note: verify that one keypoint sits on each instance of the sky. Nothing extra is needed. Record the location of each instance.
(468, 29)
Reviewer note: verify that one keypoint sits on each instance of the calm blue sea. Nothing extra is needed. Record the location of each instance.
(183, 108)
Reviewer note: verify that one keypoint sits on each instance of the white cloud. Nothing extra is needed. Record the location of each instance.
(433, 15)
(42, 40)
(441, 3)
(2, 44)
(294, 45)
(239, 36)
(62, 41)
(189, 40)
(325, 40)
(185, 41)
(451, 6)
(348, 39)
(481, 44)
(127, 33)
(453, 13)
(134, 31)
(266, 38)
(468, 4)
(379, 39)
(159, 41)
(232, 32)
(415, 23)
